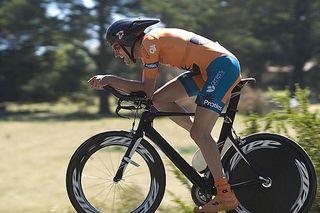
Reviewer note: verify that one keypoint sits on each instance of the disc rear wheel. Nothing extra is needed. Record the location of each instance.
(290, 184)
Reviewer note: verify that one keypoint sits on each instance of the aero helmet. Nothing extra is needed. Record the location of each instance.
(126, 32)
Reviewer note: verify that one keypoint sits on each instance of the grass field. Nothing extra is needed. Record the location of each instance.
(36, 146)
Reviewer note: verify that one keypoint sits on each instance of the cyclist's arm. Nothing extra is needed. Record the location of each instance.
(150, 59)
(125, 85)
(149, 80)
(147, 84)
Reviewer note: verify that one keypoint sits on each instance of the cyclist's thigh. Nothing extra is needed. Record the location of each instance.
(180, 87)
(223, 75)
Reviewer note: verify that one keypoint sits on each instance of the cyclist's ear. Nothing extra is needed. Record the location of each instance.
(116, 49)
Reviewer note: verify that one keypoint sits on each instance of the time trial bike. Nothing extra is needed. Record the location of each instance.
(120, 171)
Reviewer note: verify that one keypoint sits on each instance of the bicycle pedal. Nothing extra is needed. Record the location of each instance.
(128, 160)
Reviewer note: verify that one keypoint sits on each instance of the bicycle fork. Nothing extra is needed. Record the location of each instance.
(127, 158)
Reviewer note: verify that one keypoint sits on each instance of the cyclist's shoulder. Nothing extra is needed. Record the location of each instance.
(153, 34)
(151, 37)
(165, 34)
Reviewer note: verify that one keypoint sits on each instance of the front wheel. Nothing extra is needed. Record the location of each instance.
(93, 166)
(292, 179)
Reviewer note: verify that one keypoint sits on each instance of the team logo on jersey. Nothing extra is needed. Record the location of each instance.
(152, 49)
(120, 34)
(145, 53)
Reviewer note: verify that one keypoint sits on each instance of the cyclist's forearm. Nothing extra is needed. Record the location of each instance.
(148, 86)
(125, 84)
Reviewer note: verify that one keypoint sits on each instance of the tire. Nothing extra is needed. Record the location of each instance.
(293, 186)
(89, 178)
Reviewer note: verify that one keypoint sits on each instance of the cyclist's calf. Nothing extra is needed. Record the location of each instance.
(200, 136)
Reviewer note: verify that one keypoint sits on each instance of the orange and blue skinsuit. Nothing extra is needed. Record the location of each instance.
(213, 70)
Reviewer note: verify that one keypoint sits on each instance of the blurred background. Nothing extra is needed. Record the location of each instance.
(50, 48)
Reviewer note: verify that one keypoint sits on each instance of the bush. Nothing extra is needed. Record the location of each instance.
(294, 119)
(253, 101)
(180, 205)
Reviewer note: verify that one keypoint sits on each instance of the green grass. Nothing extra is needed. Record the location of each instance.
(37, 141)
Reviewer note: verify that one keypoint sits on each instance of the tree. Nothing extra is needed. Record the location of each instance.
(289, 32)
(260, 33)
(24, 29)
(69, 68)
(40, 48)
(82, 23)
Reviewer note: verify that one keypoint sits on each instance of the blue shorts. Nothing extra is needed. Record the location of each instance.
(223, 75)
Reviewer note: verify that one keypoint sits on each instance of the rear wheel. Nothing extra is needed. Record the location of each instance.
(292, 185)
(93, 166)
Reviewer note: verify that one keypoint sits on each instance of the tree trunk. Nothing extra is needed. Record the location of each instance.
(102, 64)
(104, 102)
(302, 49)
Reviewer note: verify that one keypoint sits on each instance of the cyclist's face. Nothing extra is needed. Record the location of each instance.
(119, 52)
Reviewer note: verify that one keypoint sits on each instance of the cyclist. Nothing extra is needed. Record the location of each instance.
(212, 73)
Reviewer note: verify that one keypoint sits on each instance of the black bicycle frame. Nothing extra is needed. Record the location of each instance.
(145, 128)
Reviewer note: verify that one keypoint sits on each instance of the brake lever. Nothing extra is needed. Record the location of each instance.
(120, 107)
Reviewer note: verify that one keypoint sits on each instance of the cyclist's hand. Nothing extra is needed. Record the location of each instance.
(99, 81)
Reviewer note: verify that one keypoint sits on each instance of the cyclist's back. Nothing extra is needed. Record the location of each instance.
(180, 48)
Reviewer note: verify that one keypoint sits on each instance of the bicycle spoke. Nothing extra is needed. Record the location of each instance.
(114, 192)
(92, 177)
(128, 186)
(114, 171)
(101, 191)
(133, 185)
(96, 185)
(97, 168)
(105, 166)
(131, 175)
(121, 187)
(110, 188)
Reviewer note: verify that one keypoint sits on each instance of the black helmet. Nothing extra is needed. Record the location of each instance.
(127, 32)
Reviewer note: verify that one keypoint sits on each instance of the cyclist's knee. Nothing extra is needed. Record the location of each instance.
(197, 135)
(158, 100)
